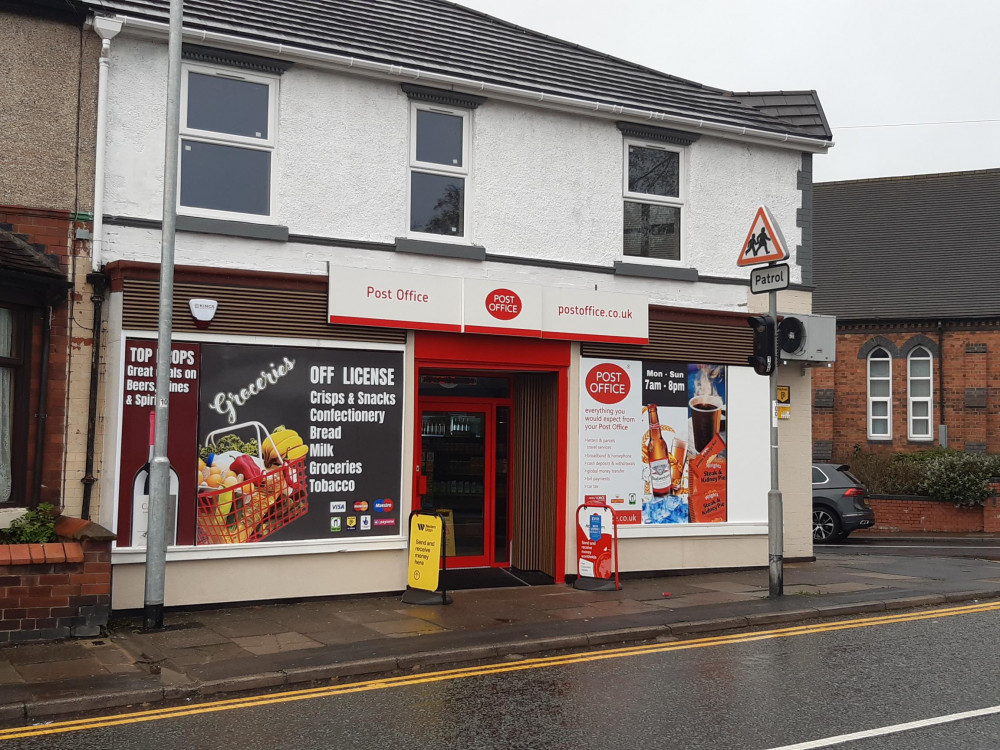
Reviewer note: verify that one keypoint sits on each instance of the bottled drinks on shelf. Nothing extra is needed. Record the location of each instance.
(660, 475)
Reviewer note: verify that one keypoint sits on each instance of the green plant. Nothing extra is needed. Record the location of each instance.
(959, 478)
(37, 525)
(230, 443)
(887, 473)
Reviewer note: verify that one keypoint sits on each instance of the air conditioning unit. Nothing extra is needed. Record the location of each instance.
(807, 338)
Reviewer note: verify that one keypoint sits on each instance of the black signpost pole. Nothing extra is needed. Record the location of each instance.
(445, 599)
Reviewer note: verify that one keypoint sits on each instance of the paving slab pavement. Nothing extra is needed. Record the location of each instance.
(231, 649)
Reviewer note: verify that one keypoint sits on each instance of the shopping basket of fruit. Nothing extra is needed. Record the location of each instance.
(247, 490)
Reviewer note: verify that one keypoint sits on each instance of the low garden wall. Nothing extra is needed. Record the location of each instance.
(56, 590)
(919, 514)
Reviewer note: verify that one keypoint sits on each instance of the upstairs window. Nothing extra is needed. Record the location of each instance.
(227, 142)
(919, 390)
(439, 169)
(653, 192)
(654, 188)
(879, 395)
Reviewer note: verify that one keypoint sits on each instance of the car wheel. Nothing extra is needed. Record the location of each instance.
(826, 525)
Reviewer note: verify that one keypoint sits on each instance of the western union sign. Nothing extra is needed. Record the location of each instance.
(425, 551)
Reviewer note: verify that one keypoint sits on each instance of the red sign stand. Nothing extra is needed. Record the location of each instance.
(596, 546)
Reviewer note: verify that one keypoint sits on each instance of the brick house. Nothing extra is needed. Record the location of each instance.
(49, 70)
(907, 264)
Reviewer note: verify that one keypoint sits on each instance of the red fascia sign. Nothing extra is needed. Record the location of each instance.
(368, 297)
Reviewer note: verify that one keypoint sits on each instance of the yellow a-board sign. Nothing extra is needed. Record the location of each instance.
(425, 552)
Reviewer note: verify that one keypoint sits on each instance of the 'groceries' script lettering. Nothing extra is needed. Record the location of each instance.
(226, 403)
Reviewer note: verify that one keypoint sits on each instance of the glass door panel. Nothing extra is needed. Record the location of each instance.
(453, 464)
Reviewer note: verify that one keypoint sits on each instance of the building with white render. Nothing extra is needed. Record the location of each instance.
(452, 262)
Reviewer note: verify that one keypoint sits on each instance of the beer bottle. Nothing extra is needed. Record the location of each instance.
(659, 460)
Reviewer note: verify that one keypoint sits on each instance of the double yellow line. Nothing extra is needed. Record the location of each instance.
(455, 674)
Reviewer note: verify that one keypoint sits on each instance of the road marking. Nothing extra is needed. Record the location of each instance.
(915, 546)
(894, 729)
(462, 672)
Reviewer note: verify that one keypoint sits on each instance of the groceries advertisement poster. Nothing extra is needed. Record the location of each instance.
(266, 443)
(653, 440)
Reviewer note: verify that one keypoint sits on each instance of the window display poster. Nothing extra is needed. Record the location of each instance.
(266, 443)
(653, 439)
(307, 442)
(138, 398)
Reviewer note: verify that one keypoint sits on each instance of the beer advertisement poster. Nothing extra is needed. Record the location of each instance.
(138, 399)
(653, 439)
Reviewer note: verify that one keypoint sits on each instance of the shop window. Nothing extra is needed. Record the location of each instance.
(439, 169)
(919, 394)
(879, 395)
(654, 198)
(227, 143)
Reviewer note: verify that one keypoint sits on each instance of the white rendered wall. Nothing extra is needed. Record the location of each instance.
(195, 249)
(264, 578)
(544, 183)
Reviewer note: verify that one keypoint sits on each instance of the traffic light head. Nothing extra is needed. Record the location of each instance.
(764, 359)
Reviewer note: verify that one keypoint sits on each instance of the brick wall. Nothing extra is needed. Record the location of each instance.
(970, 356)
(894, 514)
(899, 514)
(70, 351)
(53, 591)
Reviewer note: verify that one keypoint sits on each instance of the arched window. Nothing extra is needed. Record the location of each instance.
(919, 394)
(879, 395)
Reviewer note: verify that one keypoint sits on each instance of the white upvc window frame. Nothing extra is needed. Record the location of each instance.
(464, 171)
(268, 144)
(887, 400)
(679, 202)
(923, 354)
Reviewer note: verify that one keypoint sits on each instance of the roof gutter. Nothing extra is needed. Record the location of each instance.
(400, 72)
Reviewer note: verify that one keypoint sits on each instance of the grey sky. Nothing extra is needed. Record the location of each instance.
(873, 62)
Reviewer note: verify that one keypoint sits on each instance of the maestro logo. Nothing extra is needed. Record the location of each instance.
(361, 506)
(383, 505)
(503, 304)
(608, 383)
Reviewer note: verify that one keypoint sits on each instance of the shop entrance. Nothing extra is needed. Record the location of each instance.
(489, 451)
(464, 475)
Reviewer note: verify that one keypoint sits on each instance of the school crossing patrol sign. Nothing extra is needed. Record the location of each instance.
(764, 243)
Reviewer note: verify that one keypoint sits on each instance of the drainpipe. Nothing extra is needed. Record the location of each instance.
(107, 28)
(942, 425)
(43, 405)
(97, 281)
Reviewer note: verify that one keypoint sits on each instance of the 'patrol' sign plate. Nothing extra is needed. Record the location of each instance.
(769, 278)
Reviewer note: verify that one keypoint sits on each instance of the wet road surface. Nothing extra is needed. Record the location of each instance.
(768, 689)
